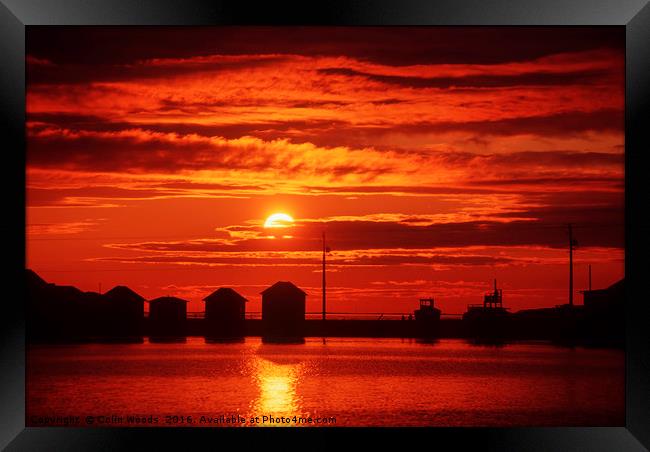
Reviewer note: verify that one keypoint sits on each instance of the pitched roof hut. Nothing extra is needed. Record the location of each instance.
(125, 313)
(225, 314)
(167, 319)
(283, 311)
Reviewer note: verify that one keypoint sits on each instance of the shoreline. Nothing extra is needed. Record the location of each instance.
(396, 329)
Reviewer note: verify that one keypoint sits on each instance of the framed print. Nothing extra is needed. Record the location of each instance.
(388, 220)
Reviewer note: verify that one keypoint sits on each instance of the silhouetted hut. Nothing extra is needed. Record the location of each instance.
(52, 311)
(167, 319)
(125, 313)
(283, 311)
(605, 314)
(225, 314)
(92, 317)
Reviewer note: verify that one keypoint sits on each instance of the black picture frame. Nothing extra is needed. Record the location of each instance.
(634, 15)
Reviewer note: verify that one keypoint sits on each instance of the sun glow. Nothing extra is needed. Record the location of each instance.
(278, 383)
(278, 220)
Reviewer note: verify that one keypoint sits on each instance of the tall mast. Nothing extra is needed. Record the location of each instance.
(570, 265)
(324, 253)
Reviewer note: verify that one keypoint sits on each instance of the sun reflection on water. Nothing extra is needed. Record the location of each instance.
(277, 382)
(277, 394)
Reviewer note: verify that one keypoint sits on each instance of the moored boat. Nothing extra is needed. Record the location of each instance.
(427, 318)
(490, 319)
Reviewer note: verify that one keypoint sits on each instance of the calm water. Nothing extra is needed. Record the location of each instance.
(386, 382)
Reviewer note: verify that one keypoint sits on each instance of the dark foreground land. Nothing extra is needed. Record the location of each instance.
(553, 330)
(550, 329)
(448, 328)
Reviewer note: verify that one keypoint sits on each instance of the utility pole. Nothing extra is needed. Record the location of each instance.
(570, 265)
(589, 277)
(324, 253)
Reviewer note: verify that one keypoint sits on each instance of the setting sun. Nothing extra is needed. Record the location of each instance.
(278, 220)
(421, 178)
(457, 256)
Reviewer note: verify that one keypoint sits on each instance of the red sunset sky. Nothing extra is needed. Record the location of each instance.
(436, 159)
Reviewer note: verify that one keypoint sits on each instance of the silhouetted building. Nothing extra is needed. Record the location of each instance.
(125, 314)
(225, 314)
(64, 313)
(60, 313)
(93, 317)
(609, 299)
(283, 311)
(167, 319)
(50, 310)
(604, 313)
